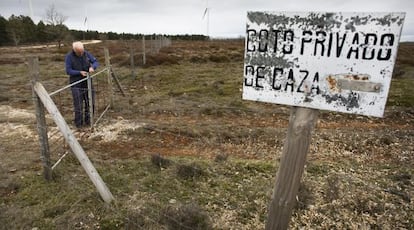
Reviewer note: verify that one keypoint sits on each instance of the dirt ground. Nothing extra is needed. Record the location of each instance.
(367, 162)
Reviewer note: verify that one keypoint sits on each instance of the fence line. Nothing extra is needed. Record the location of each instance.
(70, 139)
(155, 44)
(53, 138)
(55, 141)
(155, 221)
(43, 100)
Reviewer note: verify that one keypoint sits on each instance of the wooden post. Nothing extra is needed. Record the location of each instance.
(301, 123)
(159, 45)
(111, 75)
(91, 101)
(108, 65)
(33, 63)
(131, 55)
(73, 143)
(143, 51)
(152, 44)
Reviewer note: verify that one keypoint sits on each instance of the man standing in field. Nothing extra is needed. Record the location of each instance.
(79, 63)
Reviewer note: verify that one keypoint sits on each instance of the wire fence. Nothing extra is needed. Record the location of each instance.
(59, 148)
(103, 91)
(101, 103)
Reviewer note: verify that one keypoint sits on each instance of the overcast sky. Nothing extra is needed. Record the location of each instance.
(226, 18)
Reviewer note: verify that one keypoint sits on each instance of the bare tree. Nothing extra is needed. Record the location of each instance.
(53, 17)
(54, 21)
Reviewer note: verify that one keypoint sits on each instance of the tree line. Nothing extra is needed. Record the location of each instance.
(21, 30)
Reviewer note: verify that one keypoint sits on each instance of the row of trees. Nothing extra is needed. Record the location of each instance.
(17, 30)
(22, 30)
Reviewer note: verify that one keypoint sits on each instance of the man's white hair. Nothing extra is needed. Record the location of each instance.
(77, 46)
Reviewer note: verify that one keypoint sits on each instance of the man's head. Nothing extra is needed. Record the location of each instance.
(78, 48)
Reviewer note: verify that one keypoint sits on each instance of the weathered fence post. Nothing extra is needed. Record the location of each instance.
(33, 63)
(90, 100)
(152, 44)
(131, 55)
(144, 61)
(108, 65)
(73, 142)
(301, 123)
(111, 75)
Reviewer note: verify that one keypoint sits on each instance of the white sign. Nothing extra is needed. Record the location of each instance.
(330, 61)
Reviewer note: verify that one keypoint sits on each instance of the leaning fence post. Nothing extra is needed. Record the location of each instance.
(33, 63)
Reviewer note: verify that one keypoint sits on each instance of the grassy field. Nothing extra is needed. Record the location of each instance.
(183, 151)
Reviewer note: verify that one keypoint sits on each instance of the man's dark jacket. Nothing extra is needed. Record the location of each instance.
(74, 64)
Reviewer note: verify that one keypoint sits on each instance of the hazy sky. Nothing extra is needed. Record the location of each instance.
(226, 18)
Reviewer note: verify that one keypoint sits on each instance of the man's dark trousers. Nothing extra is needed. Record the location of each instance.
(80, 103)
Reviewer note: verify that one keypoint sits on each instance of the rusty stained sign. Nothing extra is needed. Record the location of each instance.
(329, 61)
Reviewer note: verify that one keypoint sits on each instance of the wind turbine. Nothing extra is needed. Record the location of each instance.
(207, 14)
(86, 22)
(31, 9)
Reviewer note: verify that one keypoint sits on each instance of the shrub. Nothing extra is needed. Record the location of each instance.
(189, 171)
(159, 161)
(189, 216)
